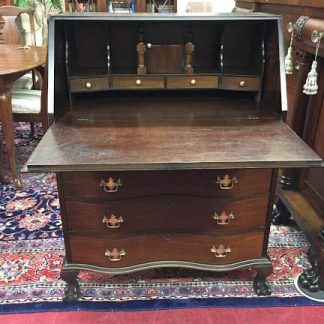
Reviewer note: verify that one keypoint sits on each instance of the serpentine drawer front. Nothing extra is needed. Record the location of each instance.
(136, 250)
(167, 141)
(116, 185)
(140, 215)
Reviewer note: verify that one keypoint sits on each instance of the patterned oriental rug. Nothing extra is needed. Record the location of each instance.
(32, 253)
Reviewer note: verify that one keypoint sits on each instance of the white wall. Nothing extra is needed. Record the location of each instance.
(215, 5)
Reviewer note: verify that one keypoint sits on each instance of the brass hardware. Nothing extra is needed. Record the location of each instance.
(110, 185)
(317, 36)
(193, 82)
(113, 221)
(115, 254)
(290, 27)
(221, 251)
(242, 83)
(223, 218)
(289, 64)
(88, 85)
(149, 45)
(138, 82)
(226, 182)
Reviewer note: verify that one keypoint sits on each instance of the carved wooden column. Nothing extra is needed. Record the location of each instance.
(141, 49)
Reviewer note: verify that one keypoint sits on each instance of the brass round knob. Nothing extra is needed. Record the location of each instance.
(88, 85)
(193, 82)
(149, 45)
(242, 83)
(138, 82)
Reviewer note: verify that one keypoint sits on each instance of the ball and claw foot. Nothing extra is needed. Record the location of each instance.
(71, 293)
(261, 286)
(280, 214)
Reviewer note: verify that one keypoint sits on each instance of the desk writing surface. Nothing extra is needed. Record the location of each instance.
(176, 145)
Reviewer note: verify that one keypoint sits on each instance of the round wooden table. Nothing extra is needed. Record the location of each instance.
(15, 61)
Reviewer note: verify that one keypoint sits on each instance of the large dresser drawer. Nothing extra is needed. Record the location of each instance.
(138, 82)
(192, 82)
(165, 213)
(89, 84)
(135, 250)
(218, 183)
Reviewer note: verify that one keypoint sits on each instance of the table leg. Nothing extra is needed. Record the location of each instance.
(7, 126)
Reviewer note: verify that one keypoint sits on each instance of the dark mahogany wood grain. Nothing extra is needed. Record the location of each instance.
(167, 213)
(89, 84)
(169, 246)
(192, 82)
(137, 82)
(241, 83)
(69, 147)
(146, 183)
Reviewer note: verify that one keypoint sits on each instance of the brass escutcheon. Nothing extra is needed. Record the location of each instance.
(221, 251)
(113, 221)
(223, 218)
(110, 185)
(115, 254)
(226, 182)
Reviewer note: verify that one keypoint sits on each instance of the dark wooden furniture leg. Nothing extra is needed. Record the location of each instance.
(260, 284)
(7, 126)
(72, 289)
(280, 214)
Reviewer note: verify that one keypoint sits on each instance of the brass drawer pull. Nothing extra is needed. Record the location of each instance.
(115, 254)
(242, 83)
(221, 251)
(138, 82)
(88, 85)
(110, 185)
(113, 221)
(223, 218)
(227, 182)
(193, 82)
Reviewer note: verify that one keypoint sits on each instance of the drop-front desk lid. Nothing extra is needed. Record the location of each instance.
(172, 144)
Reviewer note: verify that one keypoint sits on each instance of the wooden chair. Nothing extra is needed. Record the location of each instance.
(28, 104)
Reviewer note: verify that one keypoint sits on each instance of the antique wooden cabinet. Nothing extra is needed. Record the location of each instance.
(301, 193)
(167, 140)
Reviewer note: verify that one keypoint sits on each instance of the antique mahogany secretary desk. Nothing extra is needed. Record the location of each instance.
(167, 140)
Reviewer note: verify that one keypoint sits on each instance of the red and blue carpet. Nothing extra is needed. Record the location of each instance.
(32, 253)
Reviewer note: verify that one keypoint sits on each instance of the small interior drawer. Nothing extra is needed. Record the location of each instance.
(89, 84)
(241, 83)
(192, 81)
(138, 82)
